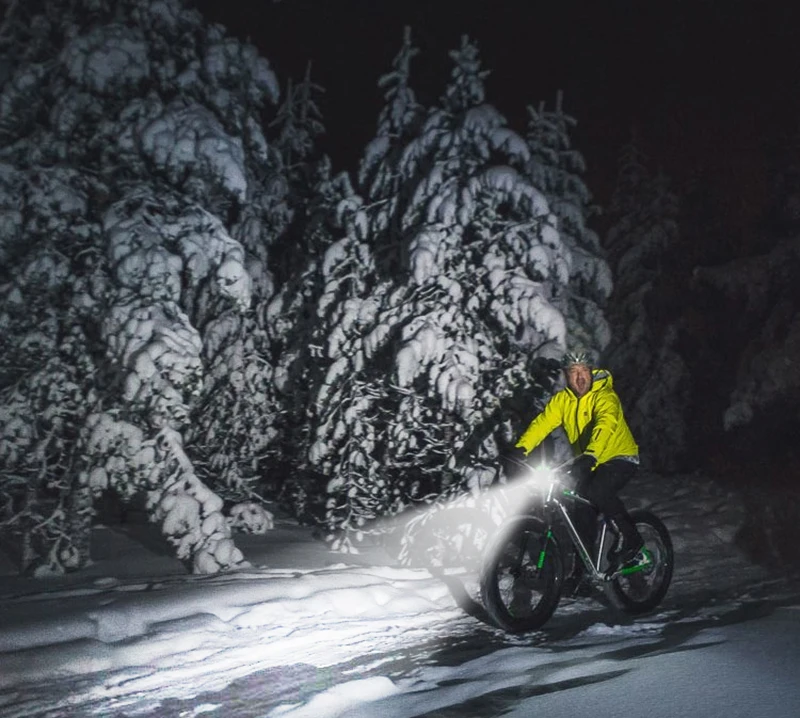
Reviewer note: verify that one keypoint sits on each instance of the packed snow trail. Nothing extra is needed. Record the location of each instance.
(300, 626)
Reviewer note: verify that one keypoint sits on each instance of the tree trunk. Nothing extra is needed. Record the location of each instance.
(79, 509)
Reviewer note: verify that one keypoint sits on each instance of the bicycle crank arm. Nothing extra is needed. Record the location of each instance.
(644, 562)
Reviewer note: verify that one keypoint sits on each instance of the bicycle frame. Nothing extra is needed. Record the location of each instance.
(523, 575)
(591, 564)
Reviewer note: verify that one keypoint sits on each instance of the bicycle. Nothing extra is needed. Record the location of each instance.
(522, 577)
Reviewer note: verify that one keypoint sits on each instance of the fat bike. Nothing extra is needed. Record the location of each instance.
(523, 572)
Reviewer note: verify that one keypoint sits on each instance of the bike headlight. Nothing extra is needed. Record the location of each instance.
(541, 475)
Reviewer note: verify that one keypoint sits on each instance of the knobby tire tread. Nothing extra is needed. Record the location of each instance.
(490, 590)
(615, 590)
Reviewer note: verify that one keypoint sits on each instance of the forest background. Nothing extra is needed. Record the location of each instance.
(206, 318)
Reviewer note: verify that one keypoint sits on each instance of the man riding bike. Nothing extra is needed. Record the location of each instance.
(606, 455)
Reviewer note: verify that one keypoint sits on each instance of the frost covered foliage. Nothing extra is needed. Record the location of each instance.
(436, 304)
(48, 381)
(297, 327)
(651, 375)
(138, 198)
(557, 169)
(399, 122)
(297, 125)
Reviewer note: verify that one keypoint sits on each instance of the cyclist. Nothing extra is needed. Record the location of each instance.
(606, 455)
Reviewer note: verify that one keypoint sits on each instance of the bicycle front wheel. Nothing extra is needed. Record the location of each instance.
(522, 576)
(643, 586)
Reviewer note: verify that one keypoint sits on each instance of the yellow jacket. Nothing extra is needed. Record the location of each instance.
(594, 424)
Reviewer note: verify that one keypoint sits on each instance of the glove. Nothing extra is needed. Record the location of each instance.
(580, 468)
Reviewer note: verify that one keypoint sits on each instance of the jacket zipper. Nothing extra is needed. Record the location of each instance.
(578, 422)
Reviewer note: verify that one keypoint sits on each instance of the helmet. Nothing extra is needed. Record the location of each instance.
(577, 356)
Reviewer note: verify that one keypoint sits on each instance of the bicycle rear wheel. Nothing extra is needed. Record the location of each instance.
(645, 584)
(521, 580)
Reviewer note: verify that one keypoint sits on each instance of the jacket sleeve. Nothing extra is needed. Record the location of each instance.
(549, 419)
(608, 411)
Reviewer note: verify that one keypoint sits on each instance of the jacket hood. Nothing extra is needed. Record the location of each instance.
(602, 379)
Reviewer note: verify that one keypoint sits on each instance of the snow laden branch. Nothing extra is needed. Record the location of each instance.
(129, 129)
(190, 514)
(158, 353)
(556, 168)
(440, 296)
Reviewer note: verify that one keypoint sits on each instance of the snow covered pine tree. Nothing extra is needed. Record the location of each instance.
(131, 155)
(437, 299)
(652, 376)
(557, 169)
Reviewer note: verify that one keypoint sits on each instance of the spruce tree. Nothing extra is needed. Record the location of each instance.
(137, 219)
(297, 318)
(650, 374)
(557, 169)
(426, 342)
(297, 125)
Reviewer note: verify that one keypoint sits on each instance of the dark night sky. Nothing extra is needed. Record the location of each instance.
(705, 83)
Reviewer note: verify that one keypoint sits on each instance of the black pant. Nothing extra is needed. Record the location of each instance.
(601, 488)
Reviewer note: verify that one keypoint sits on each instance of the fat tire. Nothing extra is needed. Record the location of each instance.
(622, 590)
(522, 536)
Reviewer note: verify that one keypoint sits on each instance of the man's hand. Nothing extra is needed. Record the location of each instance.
(580, 468)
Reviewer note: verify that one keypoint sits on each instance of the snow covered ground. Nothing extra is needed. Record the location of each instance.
(309, 633)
